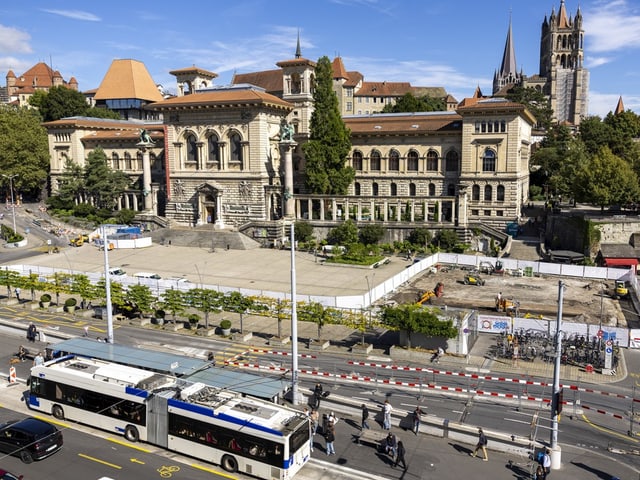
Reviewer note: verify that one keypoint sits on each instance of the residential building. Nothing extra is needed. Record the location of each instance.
(40, 77)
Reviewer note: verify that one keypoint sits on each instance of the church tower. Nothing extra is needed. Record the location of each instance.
(561, 64)
(508, 74)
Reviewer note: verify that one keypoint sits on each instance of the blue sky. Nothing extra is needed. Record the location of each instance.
(456, 44)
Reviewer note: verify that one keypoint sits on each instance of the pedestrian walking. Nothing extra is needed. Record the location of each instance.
(400, 455)
(435, 358)
(31, 332)
(17, 292)
(317, 396)
(86, 331)
(38, 359)
(546, 463)
(314, 416)
(391, 445)
(365, 418)
(481, 445)
(416, 419)
(330, 437)
(386, 412)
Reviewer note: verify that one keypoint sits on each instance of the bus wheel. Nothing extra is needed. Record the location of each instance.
(131, 433)
(57, 412)
(229, 463)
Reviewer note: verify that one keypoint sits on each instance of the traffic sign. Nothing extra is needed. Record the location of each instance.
(600, 333)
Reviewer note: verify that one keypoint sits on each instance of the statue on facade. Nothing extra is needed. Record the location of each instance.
(145, 137)
(286, 131)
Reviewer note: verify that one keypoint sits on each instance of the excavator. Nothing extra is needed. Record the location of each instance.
(429, 294)
(621, 290)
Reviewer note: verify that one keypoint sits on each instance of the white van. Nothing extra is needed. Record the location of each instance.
(153, 276)
(117, 272)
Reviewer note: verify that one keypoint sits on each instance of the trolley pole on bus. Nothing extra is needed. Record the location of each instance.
(556, 403)
(295, 396)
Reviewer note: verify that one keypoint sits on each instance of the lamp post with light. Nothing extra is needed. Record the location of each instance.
(13, 206)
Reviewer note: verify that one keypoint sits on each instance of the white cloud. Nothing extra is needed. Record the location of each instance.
(602, 103)
(592, 62)
(17, 65)
(14, 41)
(612, 25)
(75, 15)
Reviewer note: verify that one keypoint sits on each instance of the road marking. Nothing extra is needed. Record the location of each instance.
(606, 430)
(135, 460)
(97, 460)
(53, 420)
(211, 470)
(125, 444)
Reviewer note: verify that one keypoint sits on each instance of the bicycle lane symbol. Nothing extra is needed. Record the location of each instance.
(167, 472)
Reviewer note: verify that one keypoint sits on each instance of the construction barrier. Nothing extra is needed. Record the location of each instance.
(12, 375)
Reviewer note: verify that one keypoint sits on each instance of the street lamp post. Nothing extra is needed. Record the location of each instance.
(13, 206)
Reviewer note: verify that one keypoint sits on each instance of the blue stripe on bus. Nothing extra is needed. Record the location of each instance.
(206, 411)
(34, 400)
(136, 392)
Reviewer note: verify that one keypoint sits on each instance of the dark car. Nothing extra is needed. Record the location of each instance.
(30, 439)
(4, 475)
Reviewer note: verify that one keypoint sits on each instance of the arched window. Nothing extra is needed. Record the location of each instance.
(432, 190)
(296, 83)
(374, 189)
(394, 190)
(356, 161)
(374, 161)
(412, 189)
(394, 161)
(452, 161)
(451, 189)
(489, 161)
(488, 193)
(214, 149)
(432, 161)
(500, 193)
(412, 161)
(115, 161)
(192, 148)
(127, 161)
(139, 165)
(356, 188)
(236, 148)
(475, 193)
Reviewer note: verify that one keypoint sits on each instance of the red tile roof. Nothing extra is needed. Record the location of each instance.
(223, 98)
(404, 123)
(270, 80)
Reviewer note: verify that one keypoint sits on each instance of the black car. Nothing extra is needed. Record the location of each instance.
(30, 439)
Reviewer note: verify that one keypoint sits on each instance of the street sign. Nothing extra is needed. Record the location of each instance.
(600, 333)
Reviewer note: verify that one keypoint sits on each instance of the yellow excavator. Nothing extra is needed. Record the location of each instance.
(429, 294)
(621, 290)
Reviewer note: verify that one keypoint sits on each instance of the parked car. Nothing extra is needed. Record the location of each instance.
(117, 272)
(4, 475)
(30, 439)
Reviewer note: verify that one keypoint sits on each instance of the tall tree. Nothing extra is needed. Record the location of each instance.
(535, 101)
(102, 183)
(24, 150)
(70, 185)
(59, 102)
(607, 180)
(329, 141)
(410, 103)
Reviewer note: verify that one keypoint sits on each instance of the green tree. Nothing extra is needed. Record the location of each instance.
(9, 279)
(71, 184)
(446, 239)
(344, 234)
(173, 301)
(99, 112)
(371, 234)
(303, 231)
(140, 299)
(102, 183)
(607, 180)
(410, 103)
(330, 140)
(60, 102)
(420, 237)
(205, 300)
(416, 318)
(59, 283)
(82, 286)
(535, 101)
(33, 283)
(238, 303)
(24, 151)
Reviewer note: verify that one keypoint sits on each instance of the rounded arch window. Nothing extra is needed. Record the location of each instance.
(356, 189)
(374, 160)
(452, 161)
(432, 161)
(213, 143)
(489, 161)
(192, 148)
(394, 189)
(432, 190)
(356, 160)
(412, 161)
(475, 193)
(394, 161)
(412, 189)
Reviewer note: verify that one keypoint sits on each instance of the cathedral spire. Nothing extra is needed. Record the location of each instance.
(298, 50)
(508, 73)
(620, 106)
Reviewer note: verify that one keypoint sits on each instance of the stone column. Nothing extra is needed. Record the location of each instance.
(146, 176)
(287, 147)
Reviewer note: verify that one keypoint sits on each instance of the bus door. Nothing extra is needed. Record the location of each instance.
(157, 419)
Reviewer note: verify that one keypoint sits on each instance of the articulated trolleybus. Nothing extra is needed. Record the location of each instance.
(241, 434)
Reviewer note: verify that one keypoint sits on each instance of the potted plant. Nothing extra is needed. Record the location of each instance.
(45, 300)
(160, 317)
(194, 320)
(70, 304)
(225, 327)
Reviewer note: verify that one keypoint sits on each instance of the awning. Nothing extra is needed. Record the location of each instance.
(620, 262)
